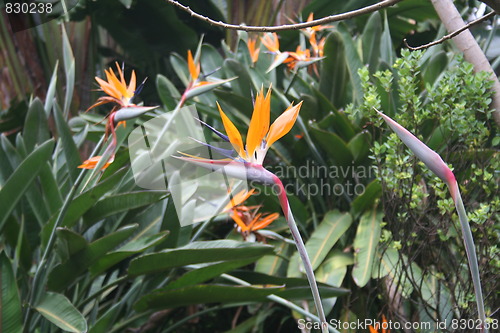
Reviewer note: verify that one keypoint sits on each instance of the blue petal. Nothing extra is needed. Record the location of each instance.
(222, 136)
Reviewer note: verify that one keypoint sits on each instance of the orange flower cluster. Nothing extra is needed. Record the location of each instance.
(301, 57)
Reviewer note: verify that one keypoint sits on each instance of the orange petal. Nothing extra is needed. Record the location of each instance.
(232, 133)
(261, 223)
(259, 124)
(238, 199)
(91, 163)
(194, 70)
(271, 42)
(240, 222)
(108, 88)
(283, 124)
(372, 329)
(132, 84)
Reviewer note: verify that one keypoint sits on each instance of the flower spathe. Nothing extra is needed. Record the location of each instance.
(122, 94)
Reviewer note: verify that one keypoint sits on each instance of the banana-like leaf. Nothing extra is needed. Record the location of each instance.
(59, 310)
(365, 245)
(10, 303)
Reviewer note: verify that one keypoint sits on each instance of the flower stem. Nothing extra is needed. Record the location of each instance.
(470, 249)
(302, 252)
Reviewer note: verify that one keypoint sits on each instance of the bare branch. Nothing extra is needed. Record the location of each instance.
(453, 34)
(324, 20)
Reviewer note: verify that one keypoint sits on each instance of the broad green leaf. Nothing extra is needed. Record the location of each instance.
(132, 247)
(51, 91)
(334, 268)
(324, 237)
(242, 86)
(10, 303)
(180, 67)
(82, 203)
(69, 242)
(296, 288)
(59, 310)
(334, 74)
(201, 294)
(21, 179)
(36, 127)
(168, 93)
(386, 50)
(66, 142)
(359, 146)
(274, 264)
(353, 63)
(64, 274)
(195, 253)
(121, 203)
(434, 67)
(335, 147)
(370, 39)
(366, 200)
(207, 272)
(365, 245)
(69, 70)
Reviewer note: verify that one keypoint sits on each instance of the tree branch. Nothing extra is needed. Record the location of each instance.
(450, 36)
(324, 20)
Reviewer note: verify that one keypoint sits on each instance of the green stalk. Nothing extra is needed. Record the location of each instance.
(301, 248)
(284, 302)
(470, 249)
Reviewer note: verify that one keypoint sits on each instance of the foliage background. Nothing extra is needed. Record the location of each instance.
(121, 262)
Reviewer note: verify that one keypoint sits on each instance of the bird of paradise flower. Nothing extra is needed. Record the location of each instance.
(247, 164)
(121, 94)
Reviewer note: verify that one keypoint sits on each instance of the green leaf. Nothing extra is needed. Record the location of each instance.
(68, 145)
(359, 146)
(335, 147)
(334, 268)
(82, 203)
(69, 70)
(322, 240)
(121, 203)
(64, 274)
(202, 294)
(59, 310)
(371, 41)
(10, 303)
(367, 199)
(51, 91)
(21, 179)
(207, 272)
(168, 93)
(132, 247)
(333, 81)
(296, 288)
(195, 253)
(36, 127)
(353, 63)
(365, 245)
(434, 67)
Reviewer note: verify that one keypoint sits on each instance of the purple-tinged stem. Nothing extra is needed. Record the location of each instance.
(302, 252)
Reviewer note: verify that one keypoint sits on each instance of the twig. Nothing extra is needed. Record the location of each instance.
(324, 20)
(453, 34)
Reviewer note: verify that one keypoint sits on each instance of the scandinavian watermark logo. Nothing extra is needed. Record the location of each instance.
(198, 193)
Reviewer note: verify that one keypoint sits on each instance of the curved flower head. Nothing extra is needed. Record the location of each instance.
(260, 135)
(248, 219)
(116, 88)
(196, 86)
(254, 52)
(272, 42)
